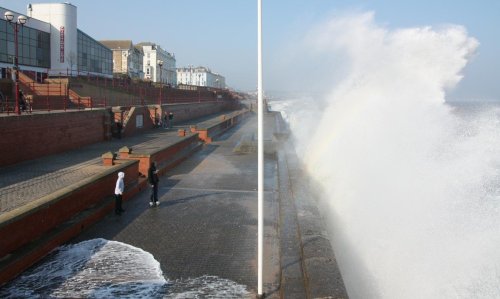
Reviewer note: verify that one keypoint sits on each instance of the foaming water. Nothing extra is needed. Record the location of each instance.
(108, 269)
(412, 184)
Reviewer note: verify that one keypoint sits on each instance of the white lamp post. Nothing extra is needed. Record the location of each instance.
(21, 20)
(260, 155)
(160, 64)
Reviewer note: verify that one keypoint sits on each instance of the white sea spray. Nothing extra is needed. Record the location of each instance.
(412, 186)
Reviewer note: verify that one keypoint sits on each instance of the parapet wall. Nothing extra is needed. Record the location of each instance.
(31, 221)
(31, 136)
(184, 112)
(38, 220)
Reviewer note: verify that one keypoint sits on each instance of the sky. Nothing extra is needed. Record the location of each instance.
(222, 34)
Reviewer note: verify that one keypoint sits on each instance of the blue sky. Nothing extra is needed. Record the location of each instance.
(221, 34)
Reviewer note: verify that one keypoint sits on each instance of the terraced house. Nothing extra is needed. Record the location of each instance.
(127, 59)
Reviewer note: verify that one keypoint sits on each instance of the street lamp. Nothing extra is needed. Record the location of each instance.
(21, 20)
(160, 64)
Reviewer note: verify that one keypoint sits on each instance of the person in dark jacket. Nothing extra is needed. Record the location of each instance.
(153, 182)
(170, 119)
(2, 100)
(22, 101)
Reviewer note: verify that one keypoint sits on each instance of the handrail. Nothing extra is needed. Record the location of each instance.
(57, 94)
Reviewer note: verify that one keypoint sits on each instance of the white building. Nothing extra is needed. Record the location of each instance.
(50, 41)
(127, 59)
(158, 64)
(63, 36)
(200, 76)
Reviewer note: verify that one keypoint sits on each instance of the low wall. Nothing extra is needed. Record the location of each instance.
(32, 220)
(165, 157)
(139, 120)
(38, 219)
(30, 136)
(184, 112)
(211, 129)
(148, 115)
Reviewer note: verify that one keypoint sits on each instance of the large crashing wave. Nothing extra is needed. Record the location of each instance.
(413, 189)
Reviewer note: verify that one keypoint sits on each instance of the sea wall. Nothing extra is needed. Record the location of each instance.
(29, 136)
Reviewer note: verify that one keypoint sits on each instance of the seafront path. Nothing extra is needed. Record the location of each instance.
(206, 223)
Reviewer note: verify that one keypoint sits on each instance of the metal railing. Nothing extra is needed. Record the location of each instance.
(63, 93)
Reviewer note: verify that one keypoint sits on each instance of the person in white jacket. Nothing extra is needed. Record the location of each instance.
(119, 188)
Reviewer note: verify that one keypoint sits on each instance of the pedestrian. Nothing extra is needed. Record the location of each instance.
(157, 121)
(2, 100)
(170, 119)
(22, 101)
(119, 188)
(165, 121)
(119, 129)
(153, 182)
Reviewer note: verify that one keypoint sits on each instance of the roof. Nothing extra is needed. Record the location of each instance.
(146, 44)
(117, 44)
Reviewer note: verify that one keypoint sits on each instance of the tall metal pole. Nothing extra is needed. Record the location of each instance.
(160, 110)
(159, 100)
(160, 63)
(16, 65)
(21, 20)
(260, 149)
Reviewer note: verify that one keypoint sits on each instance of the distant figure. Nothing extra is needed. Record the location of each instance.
(119, 130)
(157, 120)
(22, 101)
(119, 188)
(2, 101)
(165, 121)
(153, 182)
(170, 119)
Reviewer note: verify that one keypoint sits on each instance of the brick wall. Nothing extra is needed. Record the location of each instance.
(54, 209)
(131, 126)
(166, 157)
(28, 223)
(39, 135)
(184, 112)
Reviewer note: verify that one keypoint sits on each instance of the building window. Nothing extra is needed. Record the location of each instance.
(93, 56)
(34, 46)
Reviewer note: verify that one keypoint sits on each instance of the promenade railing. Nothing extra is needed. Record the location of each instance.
(44, 93)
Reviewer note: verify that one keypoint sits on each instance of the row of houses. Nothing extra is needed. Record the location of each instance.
(49, 43)
(149, 61)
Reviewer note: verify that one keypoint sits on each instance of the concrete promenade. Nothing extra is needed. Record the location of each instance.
(206, 223)
(27, 181)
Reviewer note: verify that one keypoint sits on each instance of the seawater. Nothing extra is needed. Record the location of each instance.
(101, 268)
(410, 182)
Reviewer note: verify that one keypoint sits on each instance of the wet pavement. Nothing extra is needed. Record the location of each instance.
(27, 181)
(206, 223)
